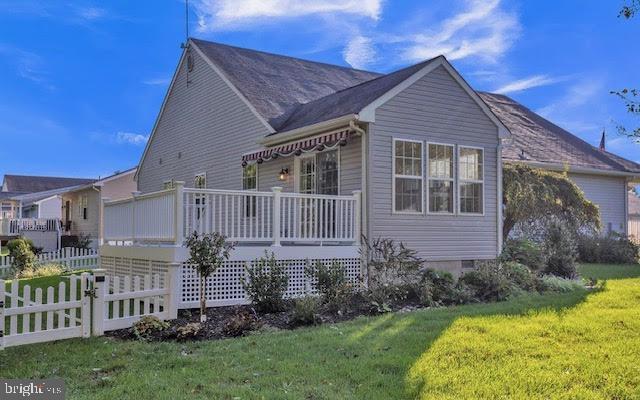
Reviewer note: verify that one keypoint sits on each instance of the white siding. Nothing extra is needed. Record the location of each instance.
(50, 208)
(609, 193)
(205, 127)
(434, 109)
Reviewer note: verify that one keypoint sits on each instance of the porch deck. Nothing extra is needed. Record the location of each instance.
(247, 218)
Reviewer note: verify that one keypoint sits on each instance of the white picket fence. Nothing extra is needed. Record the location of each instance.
(71, 257)
(89, 304)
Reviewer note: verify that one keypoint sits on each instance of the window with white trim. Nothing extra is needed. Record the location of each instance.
(440, 178)
(84, 207)
(471, 180)
(407, 176)
(250, 182)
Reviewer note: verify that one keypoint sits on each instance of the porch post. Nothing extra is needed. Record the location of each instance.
(179, 213)
(101, 230)
(277, 191)
(357, 224)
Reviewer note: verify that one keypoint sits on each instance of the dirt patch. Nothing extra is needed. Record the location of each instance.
(233, 321)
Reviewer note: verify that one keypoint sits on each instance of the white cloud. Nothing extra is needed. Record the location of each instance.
(131, 138)
(360, 52)
(484, 30)
(91, 13)
(528, 83)
(157, 81)
(27, 65)
(216, 15)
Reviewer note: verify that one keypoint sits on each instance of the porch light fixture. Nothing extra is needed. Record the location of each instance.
(284, 173)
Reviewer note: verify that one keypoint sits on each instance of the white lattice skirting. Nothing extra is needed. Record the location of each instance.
(224, 287)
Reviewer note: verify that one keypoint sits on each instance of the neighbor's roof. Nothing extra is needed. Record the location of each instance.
(634, 204)
(31, 198)
(535, 139)
(291, 93)
(32, 184)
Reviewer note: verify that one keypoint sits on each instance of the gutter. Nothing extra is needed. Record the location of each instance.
(309, 130)
(580, 170)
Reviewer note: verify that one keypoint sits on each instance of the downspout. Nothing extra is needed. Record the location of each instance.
(499, 202)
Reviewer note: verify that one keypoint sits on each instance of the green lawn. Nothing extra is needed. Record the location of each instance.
(575, 345)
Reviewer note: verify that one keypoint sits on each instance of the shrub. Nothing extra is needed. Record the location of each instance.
(550, 283)
(392, 272)
(305, 311)
(189, 331)
(561, 250)
(239, 324)
(331, 283)
(42, 270)
(520, 276)
(81, 241)
(438, 288)
(266, 284)
(613, 248)
(21, 251)
(488, 282)
(523, 251)
(148, 325)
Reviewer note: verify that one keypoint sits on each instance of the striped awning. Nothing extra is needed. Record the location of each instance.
(317, 143)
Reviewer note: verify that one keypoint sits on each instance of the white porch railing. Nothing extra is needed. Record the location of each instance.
(11, 227)
(242, 216)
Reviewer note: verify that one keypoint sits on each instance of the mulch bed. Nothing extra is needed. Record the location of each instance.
(220, 318)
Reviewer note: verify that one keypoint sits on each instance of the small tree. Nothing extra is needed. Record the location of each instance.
(22, 255)
(535, 196)
(207, 253)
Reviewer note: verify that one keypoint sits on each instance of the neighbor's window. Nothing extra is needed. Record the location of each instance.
(250, 182)
(200, 181)
(83, 206)
(471, 180)
(407, 176)
(440, 178)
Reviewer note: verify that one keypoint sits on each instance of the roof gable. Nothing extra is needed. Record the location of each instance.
(275, 85)
(536, 139)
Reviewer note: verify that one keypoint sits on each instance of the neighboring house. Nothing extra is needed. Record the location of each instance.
(634, 216)
(14, 186)
(42, 205)
(420, 144)
(603, 176)
(81, 208)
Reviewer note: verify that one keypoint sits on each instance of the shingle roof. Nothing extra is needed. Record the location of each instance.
(276, 84)
(536, 139)
(30, 198)
(32, 184)
(291, 93)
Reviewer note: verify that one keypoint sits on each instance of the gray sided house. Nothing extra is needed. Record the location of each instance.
(419, 143)
(603, 176)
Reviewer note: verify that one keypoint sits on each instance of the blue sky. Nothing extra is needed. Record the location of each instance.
(81, 82)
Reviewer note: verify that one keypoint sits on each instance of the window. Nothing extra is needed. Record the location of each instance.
(407, 176)
(471, 180)
(308, 174)
(440, 178)
(83, 206)
(250, 182)
(200, 182)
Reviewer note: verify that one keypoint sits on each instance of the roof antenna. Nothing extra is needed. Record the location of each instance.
(186, 24)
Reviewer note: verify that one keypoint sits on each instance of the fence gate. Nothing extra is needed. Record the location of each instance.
(86, 305)
(41, 315)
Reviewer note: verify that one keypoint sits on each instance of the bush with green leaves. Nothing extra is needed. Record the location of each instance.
(148, 325)
(614, 248)
(37, 271)
(489, 282)
(306, 311)
(438, 288)
(23, 257)
(523, 251)
(266, 284)
(331, 282)
(561, 251)
(392, 272)
(551, 283)
(189, 331)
